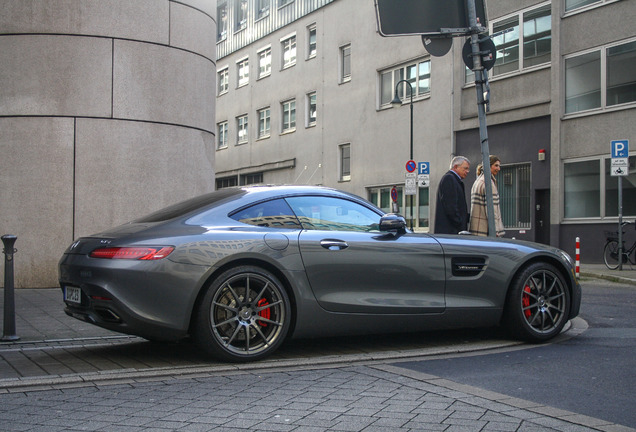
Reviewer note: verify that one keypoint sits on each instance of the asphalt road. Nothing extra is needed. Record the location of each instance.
(592, 374)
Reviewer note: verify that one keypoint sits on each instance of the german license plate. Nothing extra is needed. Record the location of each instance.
(73, 294)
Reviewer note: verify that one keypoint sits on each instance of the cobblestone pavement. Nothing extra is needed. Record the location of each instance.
(66, 375)
(351, 398)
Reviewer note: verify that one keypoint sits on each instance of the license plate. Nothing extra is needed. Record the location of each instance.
(73, 294)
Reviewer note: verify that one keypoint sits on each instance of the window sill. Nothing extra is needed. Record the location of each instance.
(587, 8)
(406, 101)
(587, 221)
(512, 74)
(264, 14)
(597, 111)
(288, 131)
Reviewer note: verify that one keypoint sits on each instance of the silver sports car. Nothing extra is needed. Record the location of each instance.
(242, 269)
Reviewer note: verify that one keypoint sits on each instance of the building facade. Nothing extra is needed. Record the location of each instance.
(106, 114)
(305, 89)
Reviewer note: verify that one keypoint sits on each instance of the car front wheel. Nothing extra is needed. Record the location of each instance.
(538, 303)
(244, 315)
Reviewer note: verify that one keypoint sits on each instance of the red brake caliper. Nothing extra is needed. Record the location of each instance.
(525, 301)
(265, 313)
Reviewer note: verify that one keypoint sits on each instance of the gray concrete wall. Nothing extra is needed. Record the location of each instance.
(106, 113)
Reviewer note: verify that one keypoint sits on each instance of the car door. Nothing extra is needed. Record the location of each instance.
(353, 267)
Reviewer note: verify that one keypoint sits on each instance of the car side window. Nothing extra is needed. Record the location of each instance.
(272, 214)
(333, 214)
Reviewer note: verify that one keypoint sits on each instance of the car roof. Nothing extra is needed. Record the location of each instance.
(247, 194)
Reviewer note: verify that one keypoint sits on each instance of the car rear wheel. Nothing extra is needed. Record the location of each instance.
(244, 315)
(538, 303)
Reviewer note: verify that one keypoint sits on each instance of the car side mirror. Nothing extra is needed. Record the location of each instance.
(393, 222)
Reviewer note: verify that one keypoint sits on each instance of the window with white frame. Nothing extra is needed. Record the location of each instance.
(311, 109)
(345, 162)
(243, 72)
(289, 116)
(240, 14)
(601, 79)
(345, 63)
(311, 41)
(221, 13)
(513, 185)
(590, 190)
(226, 182)
(288, 48)
(621, 74)
(262, 8)
(537, 36)
(507, 44)
(252, 178)
(582, 189)
(282, 3)
(241, 129)
(221, 136)
(418, 75)
(525, 36)
(523, 41)
(264, 123)
(611, 190)
(265, 62)
(223, 81)
(571, 5)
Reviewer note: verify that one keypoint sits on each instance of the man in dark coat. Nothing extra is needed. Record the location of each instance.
(451, 211)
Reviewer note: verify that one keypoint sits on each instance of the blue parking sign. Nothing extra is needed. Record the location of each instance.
(423, 168)
(620, 149)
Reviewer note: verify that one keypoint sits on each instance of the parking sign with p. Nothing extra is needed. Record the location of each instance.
(620, 149)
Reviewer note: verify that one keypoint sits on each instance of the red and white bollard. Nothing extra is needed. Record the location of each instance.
(577, 258)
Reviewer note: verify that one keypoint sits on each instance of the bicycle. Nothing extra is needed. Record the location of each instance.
(610, 251)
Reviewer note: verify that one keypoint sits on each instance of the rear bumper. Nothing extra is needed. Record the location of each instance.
(99, 309)
(154, 300)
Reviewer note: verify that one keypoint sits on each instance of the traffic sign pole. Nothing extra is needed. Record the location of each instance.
(620, 223)
(481, 104)
(619, 151)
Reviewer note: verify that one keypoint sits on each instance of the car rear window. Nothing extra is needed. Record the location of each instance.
(185, 207)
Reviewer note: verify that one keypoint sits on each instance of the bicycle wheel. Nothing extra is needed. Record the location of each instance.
(610, 254)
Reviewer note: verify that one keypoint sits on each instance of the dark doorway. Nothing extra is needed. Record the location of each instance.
(542, 216)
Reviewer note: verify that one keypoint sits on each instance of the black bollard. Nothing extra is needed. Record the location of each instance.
(8, 334)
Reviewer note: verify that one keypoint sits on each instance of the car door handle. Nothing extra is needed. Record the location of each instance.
(334, 244)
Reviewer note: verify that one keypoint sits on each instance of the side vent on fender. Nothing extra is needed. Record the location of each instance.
(467, 266)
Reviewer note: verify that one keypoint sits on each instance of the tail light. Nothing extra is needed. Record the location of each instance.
(133, 253)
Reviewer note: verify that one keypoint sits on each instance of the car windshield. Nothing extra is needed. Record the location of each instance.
(190, 205)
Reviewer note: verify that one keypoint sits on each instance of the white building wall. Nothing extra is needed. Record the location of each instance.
(347, 112)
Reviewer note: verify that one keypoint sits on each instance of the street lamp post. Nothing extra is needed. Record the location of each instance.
(397, 101)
